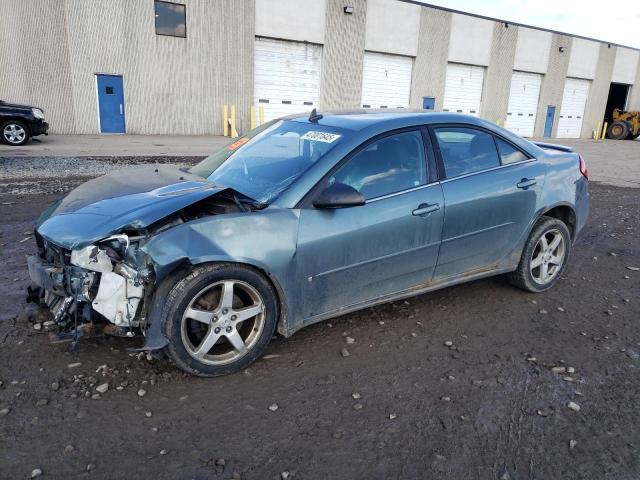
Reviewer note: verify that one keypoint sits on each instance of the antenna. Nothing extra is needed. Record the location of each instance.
(315, 116)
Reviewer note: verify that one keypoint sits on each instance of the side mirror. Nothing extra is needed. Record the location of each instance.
(338, 195)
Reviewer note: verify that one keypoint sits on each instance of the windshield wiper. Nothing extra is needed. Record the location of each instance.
(241, 201)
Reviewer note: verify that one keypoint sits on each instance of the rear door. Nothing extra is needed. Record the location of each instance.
(490, 190)
(348, 256)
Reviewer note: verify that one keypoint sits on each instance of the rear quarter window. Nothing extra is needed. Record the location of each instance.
(509, 153)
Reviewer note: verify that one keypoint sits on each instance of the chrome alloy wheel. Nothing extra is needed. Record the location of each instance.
(14, 133)
(223, 322)
(548, 256)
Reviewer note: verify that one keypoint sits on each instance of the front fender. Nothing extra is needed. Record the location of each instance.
(265, 240)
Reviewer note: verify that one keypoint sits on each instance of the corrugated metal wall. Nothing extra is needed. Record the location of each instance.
(178, 86)
(172, 85)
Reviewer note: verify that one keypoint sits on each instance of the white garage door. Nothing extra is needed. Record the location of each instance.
(523, 103)
(463, 89)
(386, 80)
(287, 77)
(574, 99)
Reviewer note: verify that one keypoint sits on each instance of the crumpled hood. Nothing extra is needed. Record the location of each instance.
(130, 198)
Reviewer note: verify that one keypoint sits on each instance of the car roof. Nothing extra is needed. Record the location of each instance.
(360, 119)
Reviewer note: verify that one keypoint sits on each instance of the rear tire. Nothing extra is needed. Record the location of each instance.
(14, 133)
(544, 256)
(219, 319)
(618, 130)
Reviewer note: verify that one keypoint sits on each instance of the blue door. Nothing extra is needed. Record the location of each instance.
(428, 103)
(349, 256)
(111, 103)
(548, 123)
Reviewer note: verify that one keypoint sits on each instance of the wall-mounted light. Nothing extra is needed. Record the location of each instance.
(608, 45)
(348, 10)
(506, 25)
(561, 49)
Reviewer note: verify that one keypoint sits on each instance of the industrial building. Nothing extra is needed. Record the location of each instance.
(155, 67)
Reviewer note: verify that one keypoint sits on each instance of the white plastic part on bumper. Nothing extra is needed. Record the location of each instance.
(92, 258)
(117, 299)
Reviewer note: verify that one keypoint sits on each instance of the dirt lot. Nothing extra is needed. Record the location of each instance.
(402, 405)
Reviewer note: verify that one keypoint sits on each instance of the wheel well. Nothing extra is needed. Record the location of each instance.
(566, 215)
(14, 118)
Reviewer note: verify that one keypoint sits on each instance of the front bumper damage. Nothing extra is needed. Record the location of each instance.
(100, 288)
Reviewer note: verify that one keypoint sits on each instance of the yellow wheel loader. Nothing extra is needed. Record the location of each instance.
(625, 125)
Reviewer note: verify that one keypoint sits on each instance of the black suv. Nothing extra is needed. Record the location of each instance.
(20, 122)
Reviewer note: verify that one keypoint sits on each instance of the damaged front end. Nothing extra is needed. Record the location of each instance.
(100, 288)
(92, 269)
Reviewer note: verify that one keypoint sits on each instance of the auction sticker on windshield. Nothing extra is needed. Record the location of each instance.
(321, 137)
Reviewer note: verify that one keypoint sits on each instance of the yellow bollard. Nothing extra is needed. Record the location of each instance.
(225, 120)
(596, 136)
(261, 114)
(234, 132)
(604, 130)
(253, 117)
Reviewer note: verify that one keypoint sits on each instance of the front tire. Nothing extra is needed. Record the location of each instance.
(219, 319)
(14, 133)
(544, 256)
(618, 130)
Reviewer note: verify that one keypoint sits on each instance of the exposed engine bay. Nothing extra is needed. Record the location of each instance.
(106, 287)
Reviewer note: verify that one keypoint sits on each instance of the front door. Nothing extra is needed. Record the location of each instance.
(490, 192)
(111, 103)
(349, 256)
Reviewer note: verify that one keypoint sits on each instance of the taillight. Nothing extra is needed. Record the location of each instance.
(583, 168)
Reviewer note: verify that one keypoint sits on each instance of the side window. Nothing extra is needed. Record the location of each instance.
(388, 165)
(466, 150)
(508, 153)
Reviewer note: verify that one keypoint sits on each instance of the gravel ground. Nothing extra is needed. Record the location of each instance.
(47, 175)
(478, 381)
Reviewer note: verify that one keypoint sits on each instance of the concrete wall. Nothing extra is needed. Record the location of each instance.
(625, 66)
(497, 81)
(599, 91)
(430, 65)
(633, 103)
(470, 40)
(343, 55)
(553, 82)
(274, 19)
(532, 50)
(584, 59)
(392, 27)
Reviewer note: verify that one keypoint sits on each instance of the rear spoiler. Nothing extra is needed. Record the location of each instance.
(553, 146)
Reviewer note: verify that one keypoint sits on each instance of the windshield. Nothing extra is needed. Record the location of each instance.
(268, 159)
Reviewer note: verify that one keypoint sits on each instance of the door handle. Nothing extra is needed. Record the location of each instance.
(526, 183)
(121, 109)
(425, 209)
